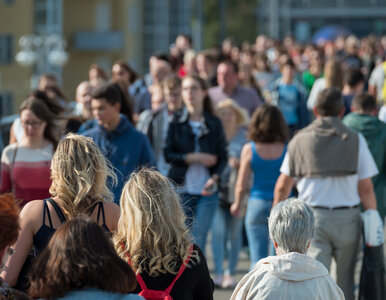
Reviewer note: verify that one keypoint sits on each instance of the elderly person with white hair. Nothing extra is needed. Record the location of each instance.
(291, 274)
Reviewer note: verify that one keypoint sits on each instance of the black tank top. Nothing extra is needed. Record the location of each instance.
(45, 232)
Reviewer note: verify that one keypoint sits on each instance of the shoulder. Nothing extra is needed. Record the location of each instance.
(112, 209)
(8, 152)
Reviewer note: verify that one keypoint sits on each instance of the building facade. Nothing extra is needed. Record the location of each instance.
(95, 31)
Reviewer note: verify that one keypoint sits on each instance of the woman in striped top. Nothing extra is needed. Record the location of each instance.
(25, 166)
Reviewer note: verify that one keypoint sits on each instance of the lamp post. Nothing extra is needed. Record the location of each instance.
(45, 51)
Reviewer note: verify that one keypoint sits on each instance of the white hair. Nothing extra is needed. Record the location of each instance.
(292, 225)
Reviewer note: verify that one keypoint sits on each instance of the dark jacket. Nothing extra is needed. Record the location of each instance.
(181, 141)
(126, 148)
(374, 131)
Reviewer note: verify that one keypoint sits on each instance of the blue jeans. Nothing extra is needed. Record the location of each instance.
(199, 211)
(256, 226)
(226, 235)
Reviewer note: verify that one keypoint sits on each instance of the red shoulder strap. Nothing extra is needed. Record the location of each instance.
(182, 269)
(141, 282)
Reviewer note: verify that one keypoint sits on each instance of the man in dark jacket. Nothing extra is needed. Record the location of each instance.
(126, 148)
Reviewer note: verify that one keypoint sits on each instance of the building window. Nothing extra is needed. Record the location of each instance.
(6, 49)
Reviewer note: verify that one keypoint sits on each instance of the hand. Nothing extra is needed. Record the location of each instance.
(234, 162)
(235, 210)
(210, 187)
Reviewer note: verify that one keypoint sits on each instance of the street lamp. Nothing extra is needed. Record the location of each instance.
(45, 51)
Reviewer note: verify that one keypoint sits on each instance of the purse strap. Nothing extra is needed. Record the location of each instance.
(12, 168)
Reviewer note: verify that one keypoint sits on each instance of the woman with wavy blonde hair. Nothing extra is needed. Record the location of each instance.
(153, 237)
(79, 173)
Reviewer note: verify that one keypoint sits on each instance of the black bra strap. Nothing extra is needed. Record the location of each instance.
(58, 210)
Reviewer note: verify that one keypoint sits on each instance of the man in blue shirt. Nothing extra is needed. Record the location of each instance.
(126, 148)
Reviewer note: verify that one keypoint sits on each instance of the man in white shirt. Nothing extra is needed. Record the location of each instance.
(332, 166)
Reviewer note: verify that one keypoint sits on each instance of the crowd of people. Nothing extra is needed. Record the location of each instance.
(206, 142)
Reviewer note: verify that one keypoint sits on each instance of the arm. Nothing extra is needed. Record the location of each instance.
(12, 137)
(147, 156)
(282, 188)
(366, 193)
(242, 181)
(28, 216)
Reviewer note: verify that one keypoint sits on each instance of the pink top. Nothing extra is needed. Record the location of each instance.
(30, 173)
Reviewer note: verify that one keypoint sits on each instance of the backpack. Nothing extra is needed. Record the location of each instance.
(149, 294)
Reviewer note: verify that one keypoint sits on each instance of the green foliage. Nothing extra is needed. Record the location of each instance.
(241, 21)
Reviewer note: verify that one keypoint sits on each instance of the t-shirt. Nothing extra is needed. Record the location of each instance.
(382, 114)
(197, 174)
(338, 190)
(377, 79)
(246, 97)
(318, 86)
(29, 174)
(288, 102)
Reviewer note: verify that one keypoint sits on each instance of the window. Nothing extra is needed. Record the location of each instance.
(6, 49)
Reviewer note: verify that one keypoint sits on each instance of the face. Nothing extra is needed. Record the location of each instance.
(227, 116)
(105, 113)
(288, 72)
(192, 93)
(157, 98)
(120, 73)
(32, 125)
(48, 86)
(226, 76)
(173, 99)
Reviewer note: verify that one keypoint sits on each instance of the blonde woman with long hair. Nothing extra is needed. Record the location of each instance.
(153, 237)
(333, 77)
(79, 172)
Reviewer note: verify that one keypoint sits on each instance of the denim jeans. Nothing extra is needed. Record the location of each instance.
(256, 226)
(226, 235)
(199, 211)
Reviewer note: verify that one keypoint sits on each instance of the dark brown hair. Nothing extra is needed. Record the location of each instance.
(41, 108)
(267, 125)
(329, 102)
(9, 220)
(100, 72)
(364, 102)
(132, 74)
(80, 255)
(127, 102)
(208, 107)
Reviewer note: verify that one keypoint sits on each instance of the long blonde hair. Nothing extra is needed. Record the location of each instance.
(151, 229)
(333, 73)
(79, 172)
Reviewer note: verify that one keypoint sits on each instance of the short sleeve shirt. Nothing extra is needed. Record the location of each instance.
(339, 190)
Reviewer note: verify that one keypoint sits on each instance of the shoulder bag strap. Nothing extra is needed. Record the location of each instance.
(182, 269)
(58, 210)
(12, 167)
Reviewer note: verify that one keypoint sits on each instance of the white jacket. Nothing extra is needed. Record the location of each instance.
(289, 276)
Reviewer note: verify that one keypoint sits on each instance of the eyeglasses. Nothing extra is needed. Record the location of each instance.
(33, 124)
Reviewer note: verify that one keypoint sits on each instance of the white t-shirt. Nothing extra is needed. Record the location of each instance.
(377, 79)
(382, 114)
(339, 190)
(197, 174)
(319, 85)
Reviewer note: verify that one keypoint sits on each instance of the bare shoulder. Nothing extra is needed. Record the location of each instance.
(32, 214)
(246, 152)
(113, 212)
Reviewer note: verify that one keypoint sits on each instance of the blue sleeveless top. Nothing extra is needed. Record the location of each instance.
(45, 232)
(265, 174)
